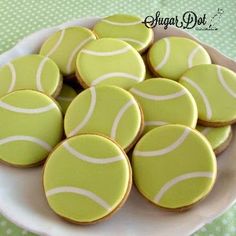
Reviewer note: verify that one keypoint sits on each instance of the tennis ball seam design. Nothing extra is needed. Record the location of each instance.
(32, 139)
(90, 159)
(192, 55)
(206, 130)
(53, 49)
(165, 150)
(77, 48)
(27, 110)
(80, 191)
(13, 77)
(166, 56)
(223, 83)
(178, 179)
(203, 95)
(39, 73)
(133, 41)
(122, 23)
(119, 116)
(88, 115)
(158, 97)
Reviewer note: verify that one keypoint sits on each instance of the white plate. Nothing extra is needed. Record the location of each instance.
(23, 202)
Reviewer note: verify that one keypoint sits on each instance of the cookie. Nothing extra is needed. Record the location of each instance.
(107, 110)
(66, 96)
(214, 90)
(165, 101)
(174, 166)
(125, 27)
(87, 178)
(170, 57)
(31, 125)
(219, 138)
(109, 62)
(64, 45)
(149, 74)
(31, 72)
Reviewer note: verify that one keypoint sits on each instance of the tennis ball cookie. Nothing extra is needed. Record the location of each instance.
(174, 166)
(170, 57)
(30, 72)
(31, 125)
(214, 90)
(219, 137)
(87, 178)
(109, 61)
(64, 45)
(66, 96)
(125, 27)
(164, 101)
(107, 110)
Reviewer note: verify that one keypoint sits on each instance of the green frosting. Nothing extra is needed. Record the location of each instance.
(64, 45)
(165, 101)
(30, 72)
(126, 27)
(31, 125)
(214, 90)
(174, 166)
(109, 110)
(66, 96)
(86, 178)
(216, 136)
(110, 62)
(170, 57)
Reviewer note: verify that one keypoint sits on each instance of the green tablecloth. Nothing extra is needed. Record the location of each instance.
(21, 17)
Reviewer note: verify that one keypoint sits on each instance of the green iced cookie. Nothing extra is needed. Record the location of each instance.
(164, 102)
(174, 166)
(31, 125)
(66, 96)
(30, 72)
(170, 57)
(87, 178)
(214, 90)
(125, 27)
(219, 138)
(64, 45)
(108, 110)
(110, 62)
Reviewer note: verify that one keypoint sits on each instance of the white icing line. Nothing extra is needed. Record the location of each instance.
(53, 49)
(133, 41)
(205, 131)
(88, 115)
(100, 160)
(155, 123)
(80, 191)
(192, 55)
(13, 77)
(65, 99)
(115, 74)
(38, 141)
(27, 110)
(223, 83)
(166, 150)
(39, 73)
(178, 179)
(156, 97)
(118, 118)
(79, 46)
(166, 56)
(204, 97)
(105, 54)
(122, 23)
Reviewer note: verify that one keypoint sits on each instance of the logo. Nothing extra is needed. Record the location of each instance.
(189, 20)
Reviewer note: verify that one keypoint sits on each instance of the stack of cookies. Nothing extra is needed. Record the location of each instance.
(89, 97)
